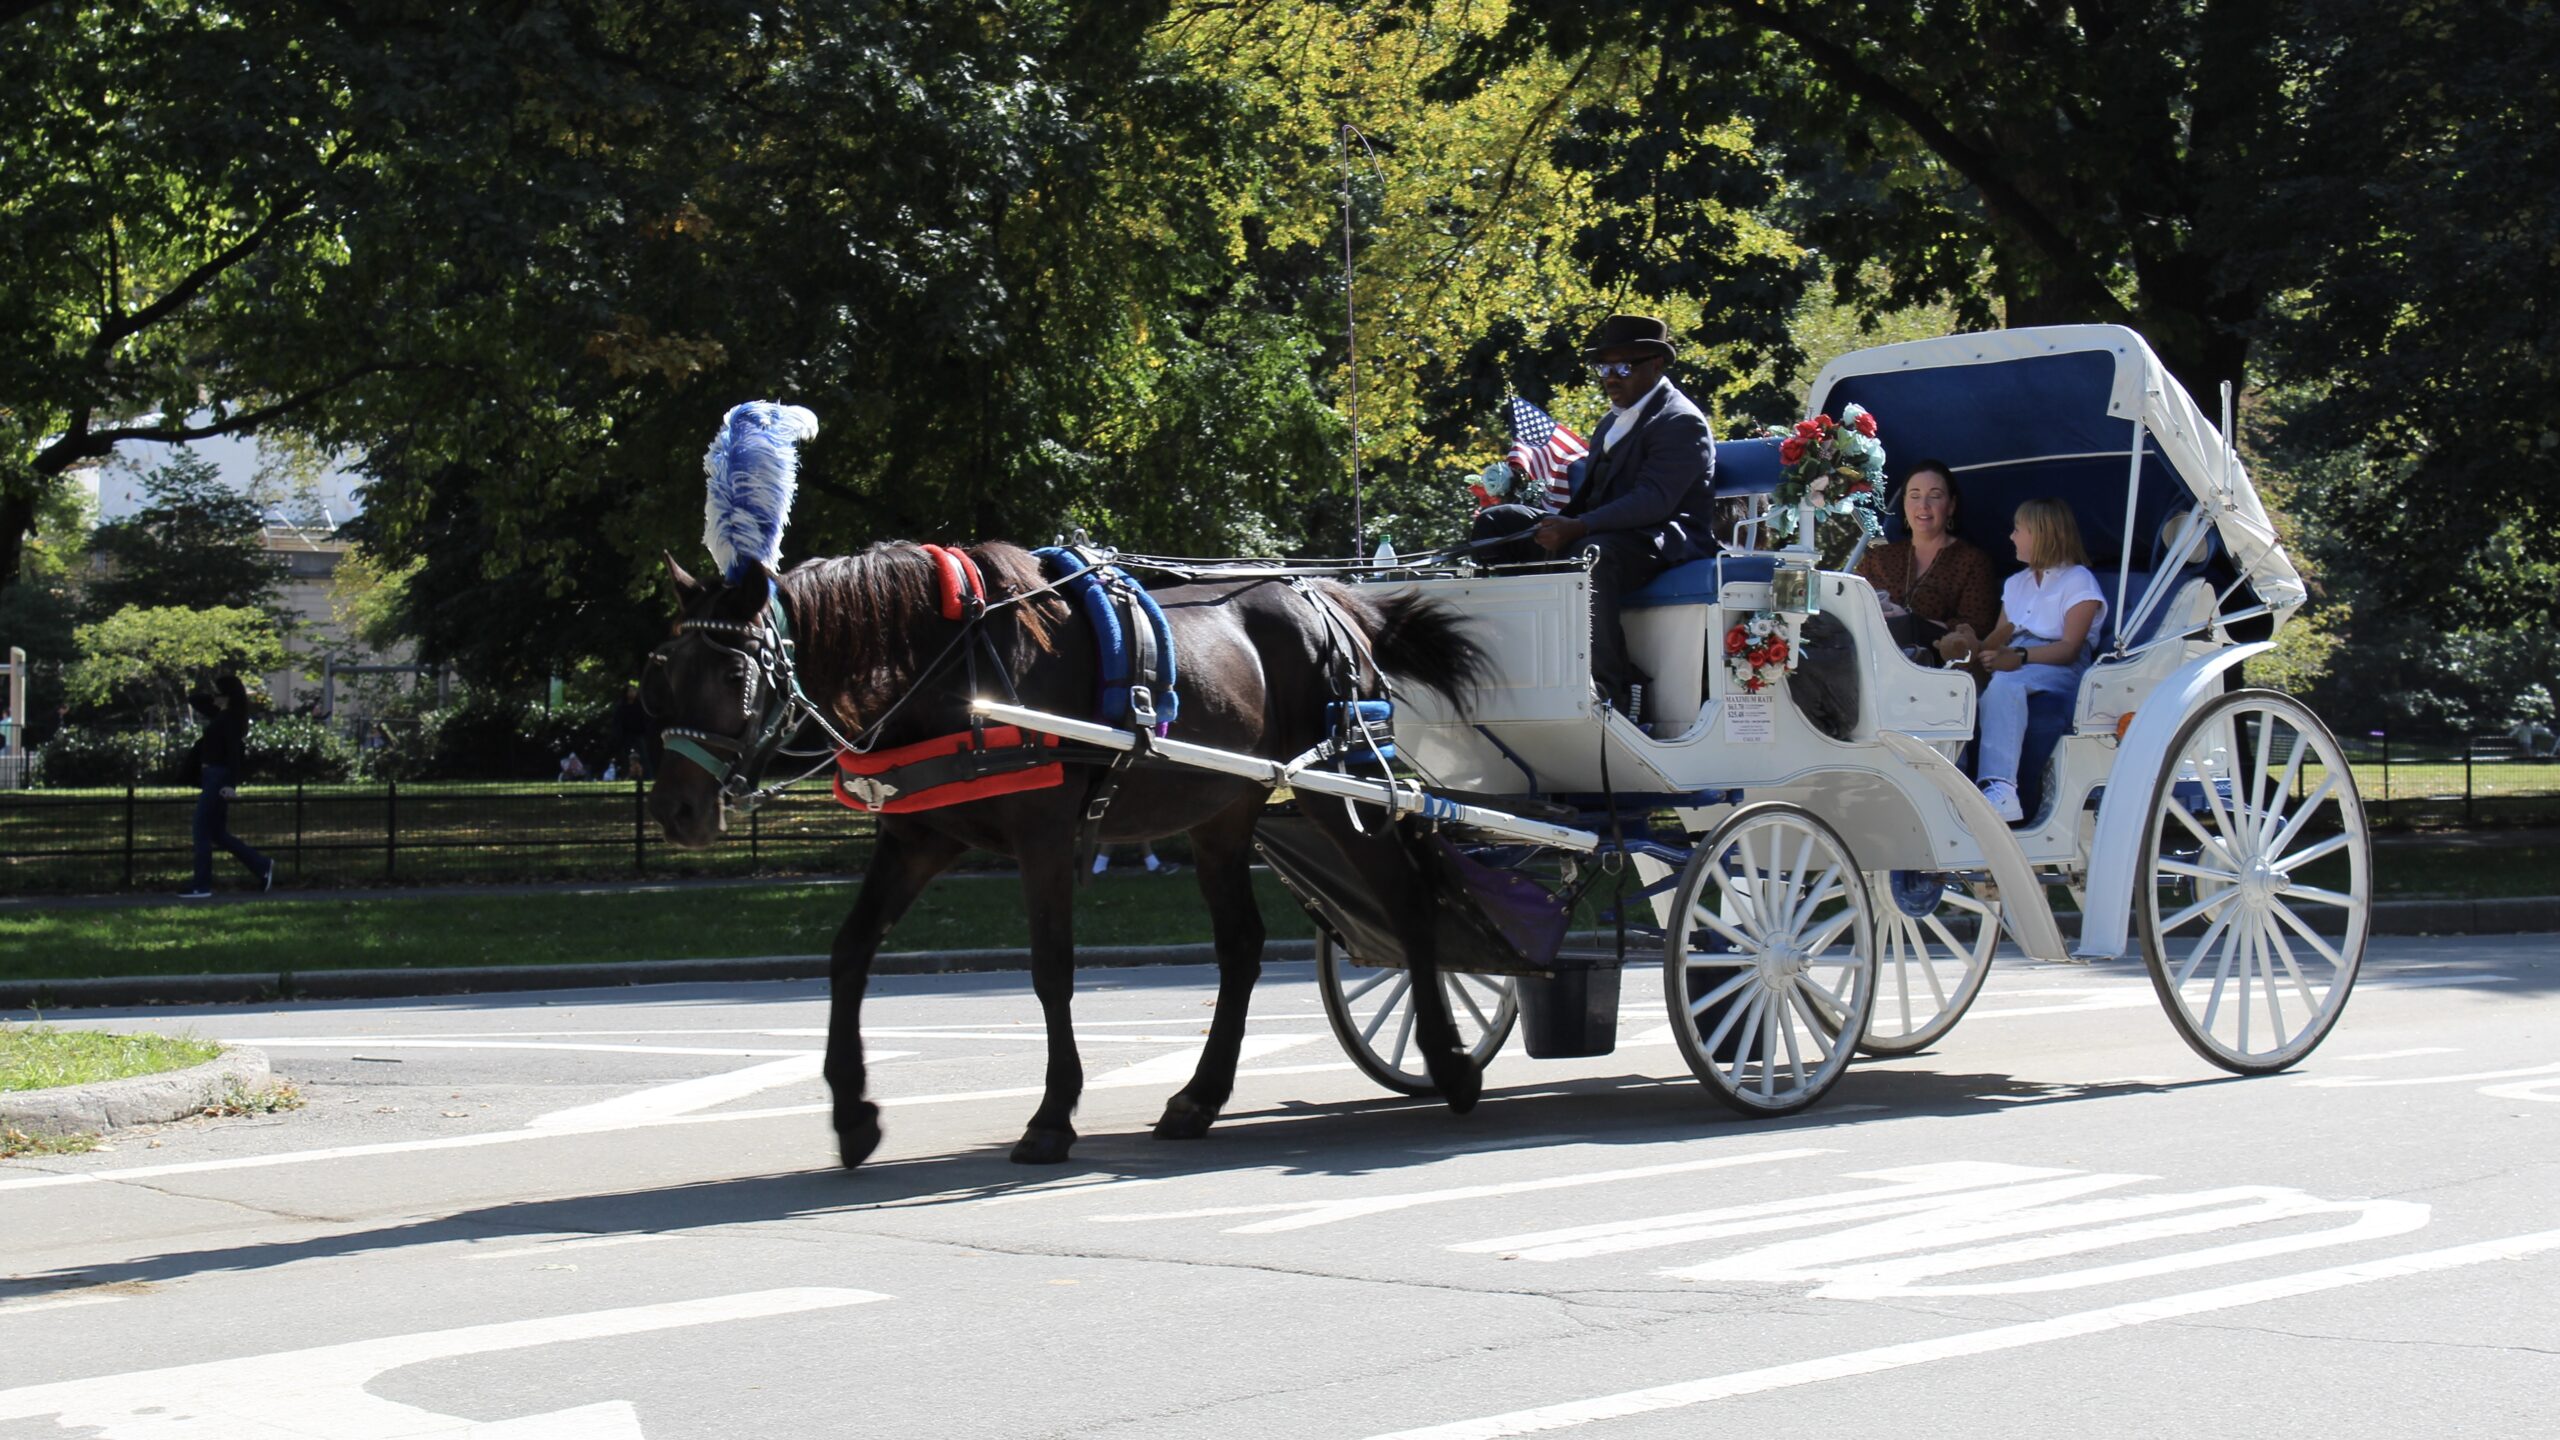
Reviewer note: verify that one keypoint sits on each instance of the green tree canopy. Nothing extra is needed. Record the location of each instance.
(143, 661)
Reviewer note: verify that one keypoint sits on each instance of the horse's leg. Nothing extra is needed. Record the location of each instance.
(903, 861)
(1452, 1070)
(1222, 851)
(1391, 854)
(1049, 897)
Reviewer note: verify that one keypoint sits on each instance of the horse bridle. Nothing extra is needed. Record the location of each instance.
(774, 704)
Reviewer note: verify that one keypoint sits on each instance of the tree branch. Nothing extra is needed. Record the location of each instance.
(1977, 166)
(78, 444)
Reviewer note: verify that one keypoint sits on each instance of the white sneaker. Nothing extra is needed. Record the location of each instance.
(1101, 861)
(2004, 800)
(195, 894)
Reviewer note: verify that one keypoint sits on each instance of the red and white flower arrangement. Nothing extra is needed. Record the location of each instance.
(1756, 653)
(1832, 465)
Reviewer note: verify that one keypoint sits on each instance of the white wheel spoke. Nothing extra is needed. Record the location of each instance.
(2310, 937)
(2172, 923)
(1387, 1007)
(1826, 888)
(2197, 872)
(1817, 1024)
(1700, 914)
(2213, 792)
(1750, 1035)
(2330, 846)
(1705, 1002)
(2267, 936)
(1820, 941)
(2195, 957)
(2284, 947)
(1732, 1016)
(2221, 978)
(1404, 1037)
(1467, 998)
(1795, 1059)
(2262, 806)
(2248, 937)
(1372, 983)
(1954, 951)
(2216, 843)
(2302, 814)
(2284, 787)
(2319, 896)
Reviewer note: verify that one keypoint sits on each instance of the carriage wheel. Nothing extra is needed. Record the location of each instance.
(1769, 972)
(1372, 1015)
(1927, 971)
(2241, 871)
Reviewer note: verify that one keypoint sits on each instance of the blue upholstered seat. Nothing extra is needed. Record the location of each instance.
(1698, 581)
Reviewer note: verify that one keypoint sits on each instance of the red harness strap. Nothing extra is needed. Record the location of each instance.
(948, 770)
(964, 590)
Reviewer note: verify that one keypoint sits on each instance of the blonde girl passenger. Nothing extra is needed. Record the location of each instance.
(2049, 614)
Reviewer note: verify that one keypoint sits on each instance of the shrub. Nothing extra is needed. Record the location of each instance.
(298, 747)
(80, 756)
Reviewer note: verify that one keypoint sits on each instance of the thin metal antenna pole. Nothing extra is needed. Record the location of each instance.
(1351, 351)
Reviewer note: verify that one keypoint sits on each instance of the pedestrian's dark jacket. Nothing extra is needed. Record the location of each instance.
(225, 741)
(1657, 477)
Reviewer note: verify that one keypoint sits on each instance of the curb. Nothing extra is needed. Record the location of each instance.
(2513, 916)
(140, 1100)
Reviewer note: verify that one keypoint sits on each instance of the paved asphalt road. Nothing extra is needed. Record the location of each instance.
(612, 1214)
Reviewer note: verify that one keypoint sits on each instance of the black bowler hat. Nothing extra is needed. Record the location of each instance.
(1629, 332)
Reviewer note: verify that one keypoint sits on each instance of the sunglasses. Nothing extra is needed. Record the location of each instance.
(1615, 369)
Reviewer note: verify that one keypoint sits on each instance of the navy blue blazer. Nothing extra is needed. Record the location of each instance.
(1659, 477)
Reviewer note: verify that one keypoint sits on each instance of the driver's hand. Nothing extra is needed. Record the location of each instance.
(1557, 531)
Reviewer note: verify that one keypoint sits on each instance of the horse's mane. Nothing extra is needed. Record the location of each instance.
(876, 616)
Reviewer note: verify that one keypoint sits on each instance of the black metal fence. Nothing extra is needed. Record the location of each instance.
(2439, 781)
(335, 836)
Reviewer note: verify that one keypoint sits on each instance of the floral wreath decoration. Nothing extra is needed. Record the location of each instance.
(1831, 465)
(1756, 652)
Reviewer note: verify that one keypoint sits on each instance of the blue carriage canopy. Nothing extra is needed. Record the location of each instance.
(2067, 411)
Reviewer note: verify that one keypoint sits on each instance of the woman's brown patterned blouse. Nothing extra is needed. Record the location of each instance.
(1959, 588)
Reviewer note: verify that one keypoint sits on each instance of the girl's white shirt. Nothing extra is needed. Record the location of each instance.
(2037, 602)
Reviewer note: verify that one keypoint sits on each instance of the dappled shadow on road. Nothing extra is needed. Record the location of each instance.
(1384, 1136)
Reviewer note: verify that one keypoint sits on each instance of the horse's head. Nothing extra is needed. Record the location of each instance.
(720, 689)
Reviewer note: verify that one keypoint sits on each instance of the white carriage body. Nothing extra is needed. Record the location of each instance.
(2132, 440)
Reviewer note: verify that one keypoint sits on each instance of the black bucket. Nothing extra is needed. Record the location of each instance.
(1569, 1014)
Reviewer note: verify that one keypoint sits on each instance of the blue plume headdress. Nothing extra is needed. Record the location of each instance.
(752, 469)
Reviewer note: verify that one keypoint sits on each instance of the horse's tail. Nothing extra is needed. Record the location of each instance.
(1418, 640)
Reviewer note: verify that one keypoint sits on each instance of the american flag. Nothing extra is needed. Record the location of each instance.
(1541, 449)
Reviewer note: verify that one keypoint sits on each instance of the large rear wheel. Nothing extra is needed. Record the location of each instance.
(1371, 1011)
(2258, 882)
(1769, 969)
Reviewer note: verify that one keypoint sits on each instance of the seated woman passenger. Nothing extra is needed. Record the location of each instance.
(2048, 613)
(1943, 586)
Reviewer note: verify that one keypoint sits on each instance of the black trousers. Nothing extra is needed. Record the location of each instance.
(1624, 560)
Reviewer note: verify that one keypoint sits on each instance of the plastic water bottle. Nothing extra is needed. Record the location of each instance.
(1386, 555)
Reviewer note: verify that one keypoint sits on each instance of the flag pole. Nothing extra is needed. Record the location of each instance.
(1351, 346)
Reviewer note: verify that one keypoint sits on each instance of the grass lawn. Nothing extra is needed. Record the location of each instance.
(40, 1057)
(960, 912)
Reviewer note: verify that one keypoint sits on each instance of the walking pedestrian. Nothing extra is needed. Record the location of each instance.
(216, 764)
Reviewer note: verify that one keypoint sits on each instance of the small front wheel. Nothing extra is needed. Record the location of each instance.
(1928, 970)
(1371, 1011)
(1769, 969)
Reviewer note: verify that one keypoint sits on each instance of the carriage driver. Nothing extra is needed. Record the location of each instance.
(1643, 505)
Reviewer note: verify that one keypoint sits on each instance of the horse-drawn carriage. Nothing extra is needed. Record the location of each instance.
(1815, 885)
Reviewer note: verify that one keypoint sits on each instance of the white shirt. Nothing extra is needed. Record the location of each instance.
(1611, 429)
(2037, 604)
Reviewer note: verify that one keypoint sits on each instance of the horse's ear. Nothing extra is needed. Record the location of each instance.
(688, 589)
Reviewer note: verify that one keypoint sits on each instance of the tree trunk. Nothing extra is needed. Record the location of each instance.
(17, 522)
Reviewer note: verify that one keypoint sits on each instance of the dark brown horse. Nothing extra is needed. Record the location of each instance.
(1259, 660)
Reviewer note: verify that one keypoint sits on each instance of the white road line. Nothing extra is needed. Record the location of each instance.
(62, 1302)
(297, 1394)
(1976, 1342)
(1304, 1214)
(683, 1097)
(2409, 1054)
(1175, 1068)
(2367, 1082)
(737, 1052)
(47, 1181)
(554, 1247)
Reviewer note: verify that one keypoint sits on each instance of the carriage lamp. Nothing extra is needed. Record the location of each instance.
(1792, 590)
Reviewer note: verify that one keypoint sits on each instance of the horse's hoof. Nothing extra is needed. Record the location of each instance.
(858, 1134)
(1184, 1119)
(1043, 1147)
(1459, 1081)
